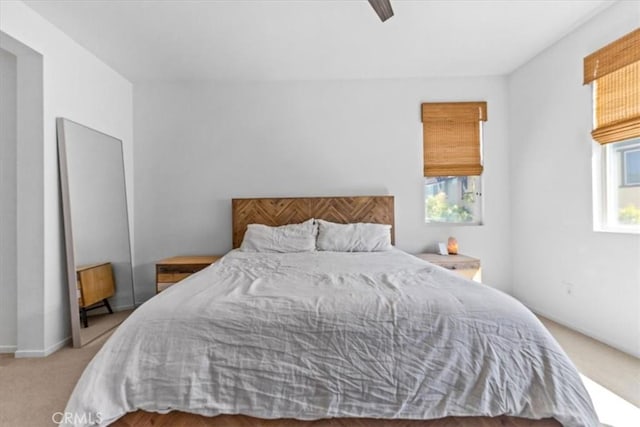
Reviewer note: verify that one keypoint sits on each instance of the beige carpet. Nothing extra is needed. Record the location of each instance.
(612, 369)
(31, 390)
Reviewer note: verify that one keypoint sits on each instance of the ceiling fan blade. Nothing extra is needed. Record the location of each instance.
(382, 8)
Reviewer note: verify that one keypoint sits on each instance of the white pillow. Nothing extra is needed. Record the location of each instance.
(286, 238)
(359, 237)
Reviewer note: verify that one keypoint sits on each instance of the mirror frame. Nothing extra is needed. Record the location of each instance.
(68, 226)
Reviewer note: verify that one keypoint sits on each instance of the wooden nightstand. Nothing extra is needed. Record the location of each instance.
(463, 265)
(172, 270)
(95, 284)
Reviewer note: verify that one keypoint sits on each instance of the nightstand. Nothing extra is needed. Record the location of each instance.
(463, 265)
(172, 270)
(95, 284)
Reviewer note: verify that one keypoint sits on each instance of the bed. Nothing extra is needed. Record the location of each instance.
(328, 338)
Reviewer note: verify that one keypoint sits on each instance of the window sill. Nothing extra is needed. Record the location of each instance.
(619, 229)
(455, 224)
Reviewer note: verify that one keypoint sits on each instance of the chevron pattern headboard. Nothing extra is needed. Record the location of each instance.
(291, 210)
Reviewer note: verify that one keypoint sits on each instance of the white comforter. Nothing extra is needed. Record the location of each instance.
(324, 334)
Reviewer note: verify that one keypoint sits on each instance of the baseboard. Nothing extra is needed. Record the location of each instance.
(583, 331)
(58, 346)
(42, 353)
(8, 349)
(23, 354)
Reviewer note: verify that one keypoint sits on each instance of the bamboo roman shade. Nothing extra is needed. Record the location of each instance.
(451, 138)
(615, 69)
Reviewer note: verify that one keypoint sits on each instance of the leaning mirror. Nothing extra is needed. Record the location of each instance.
(96, 224)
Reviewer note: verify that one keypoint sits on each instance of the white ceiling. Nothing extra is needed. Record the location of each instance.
(309, 40)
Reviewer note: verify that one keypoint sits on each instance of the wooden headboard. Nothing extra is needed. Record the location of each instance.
(292, 210)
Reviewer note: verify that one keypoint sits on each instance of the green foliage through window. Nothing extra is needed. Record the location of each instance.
(629, 215)
(439, 209)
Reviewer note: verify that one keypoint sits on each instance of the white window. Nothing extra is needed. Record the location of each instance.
(614, 74)
(617, 202)
(452, 156)
(453, 199)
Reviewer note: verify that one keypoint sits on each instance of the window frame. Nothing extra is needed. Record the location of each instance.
(606, 173)
(479, 195)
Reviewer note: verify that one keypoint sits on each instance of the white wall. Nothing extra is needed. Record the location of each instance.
(200, 144)
(8, 201)
(552, 237)
(29, 191)
(80, 87)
